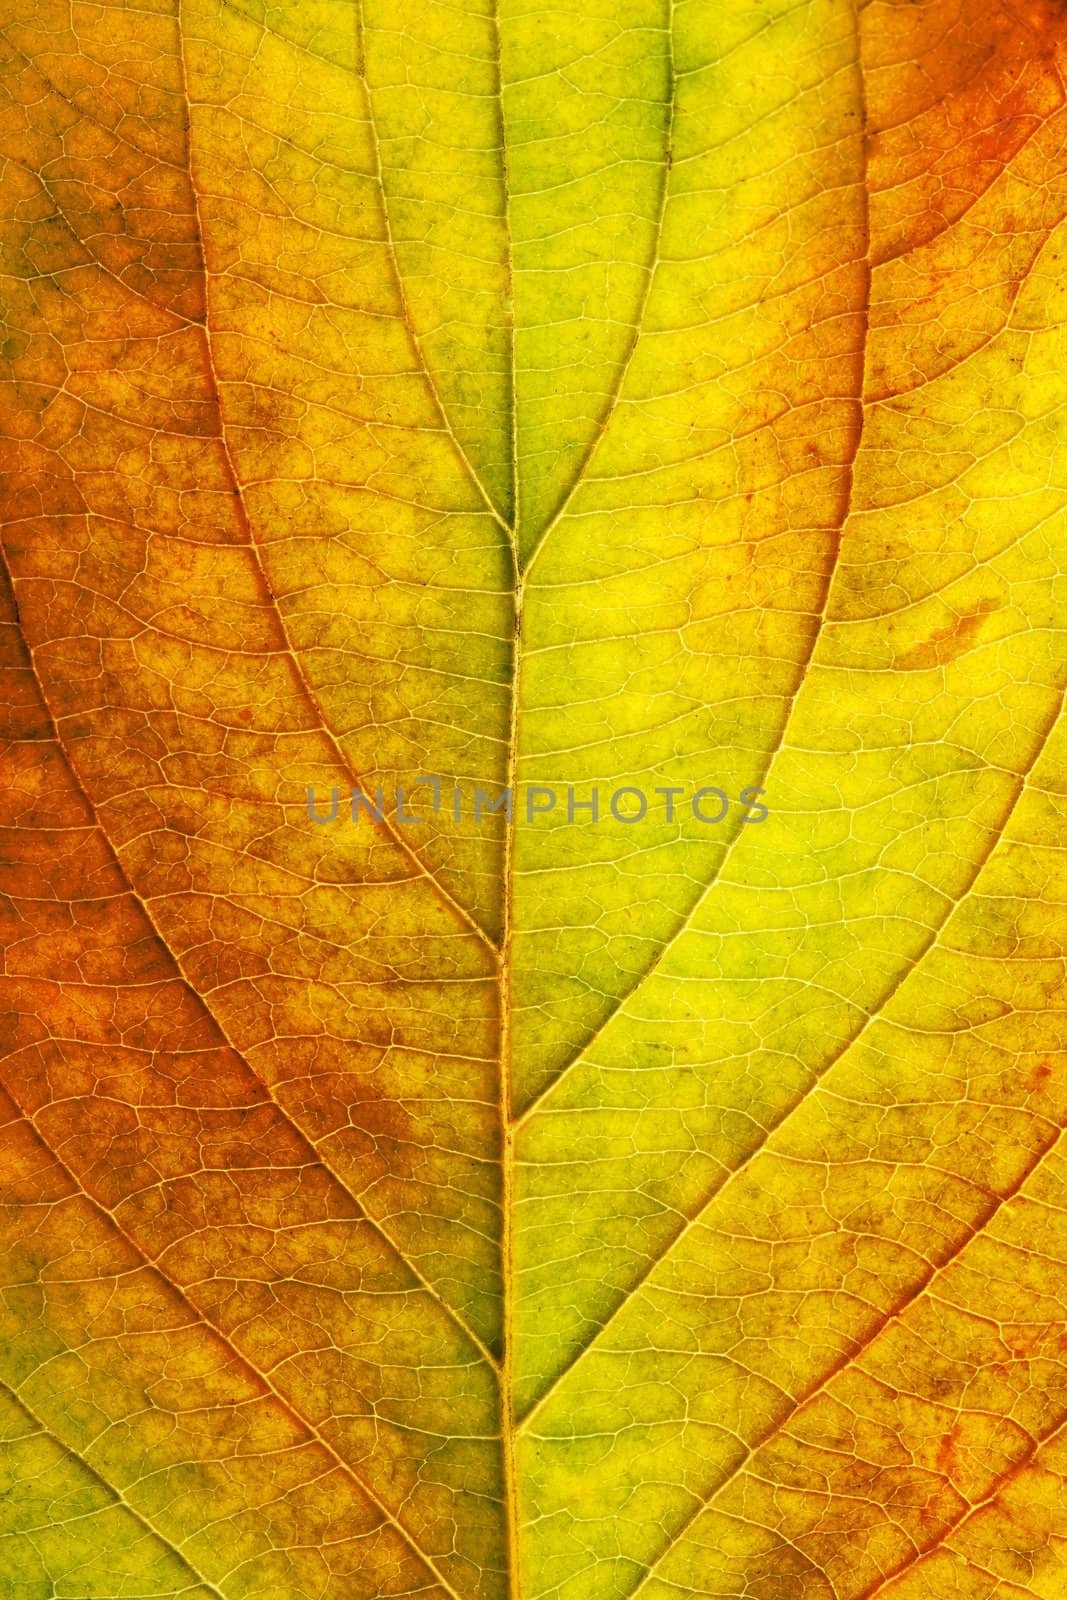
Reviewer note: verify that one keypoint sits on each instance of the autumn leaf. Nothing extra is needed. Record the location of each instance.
(652, 395)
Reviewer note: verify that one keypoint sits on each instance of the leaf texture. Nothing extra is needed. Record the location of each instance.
(650, 396)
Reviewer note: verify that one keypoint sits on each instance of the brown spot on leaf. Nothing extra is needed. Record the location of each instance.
(946, 644)
(1039, 1075)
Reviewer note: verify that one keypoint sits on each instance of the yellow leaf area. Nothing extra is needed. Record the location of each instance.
(659, 393)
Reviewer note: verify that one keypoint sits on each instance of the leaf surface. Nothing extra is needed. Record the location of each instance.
(647, 397)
